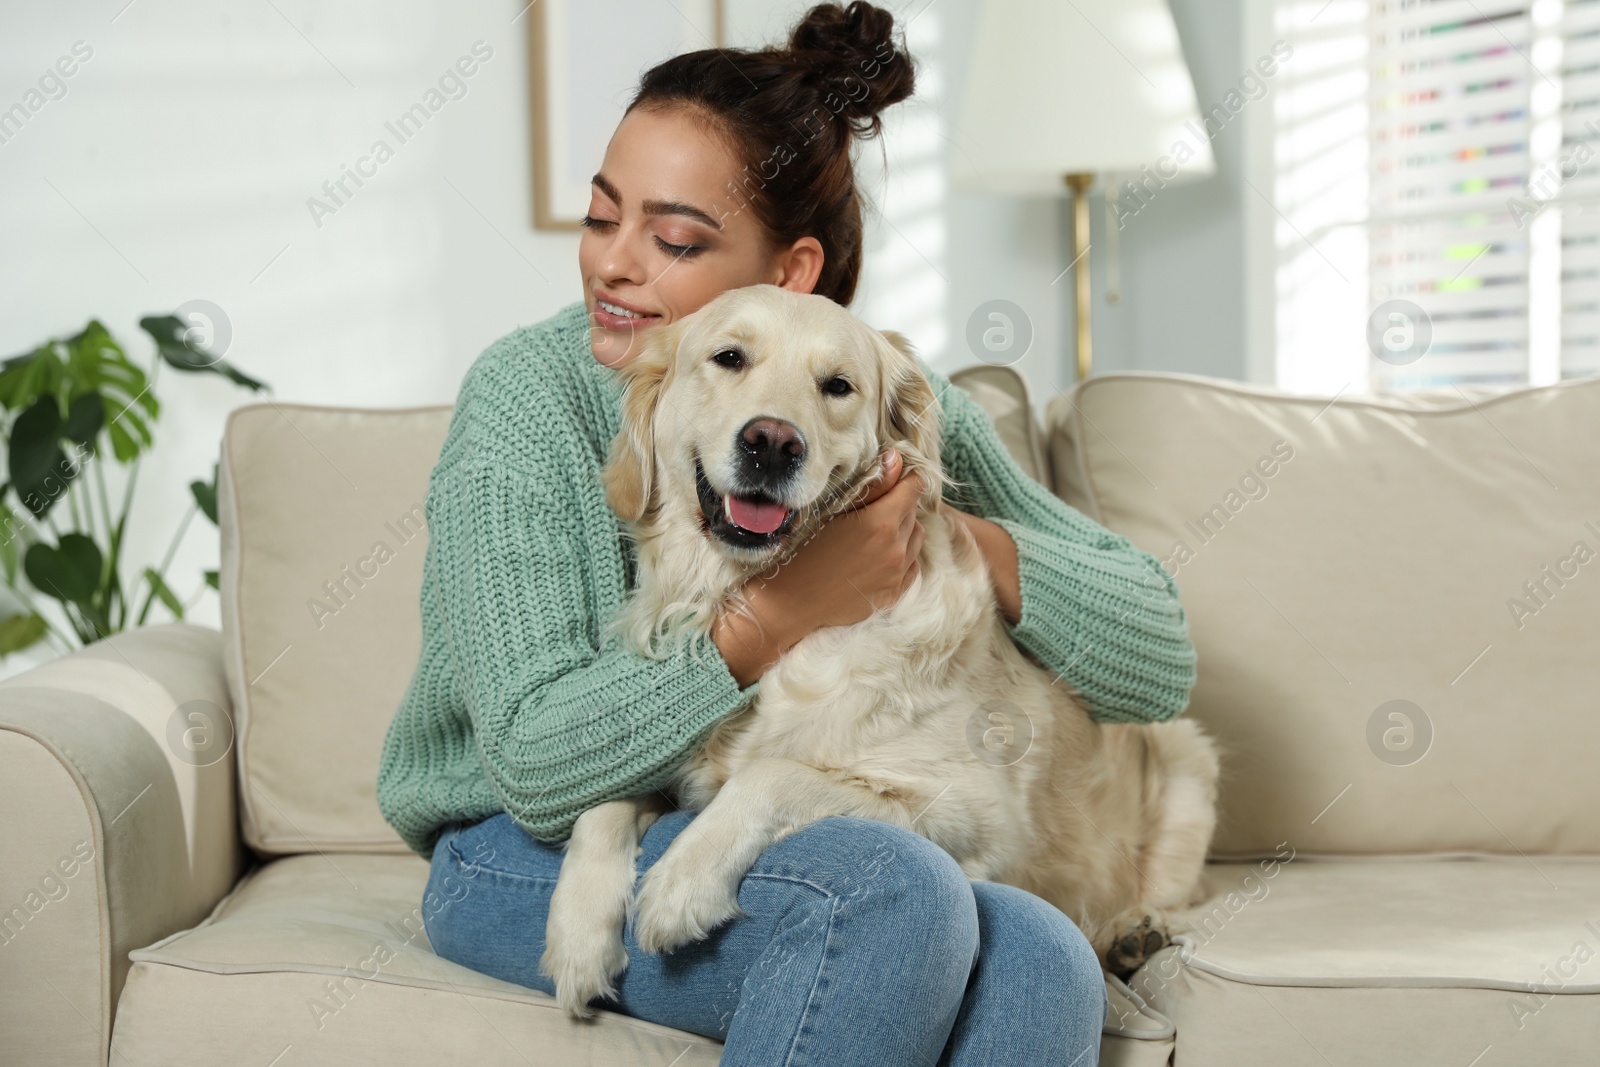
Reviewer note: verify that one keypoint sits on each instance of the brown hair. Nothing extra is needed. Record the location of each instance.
(791, 115)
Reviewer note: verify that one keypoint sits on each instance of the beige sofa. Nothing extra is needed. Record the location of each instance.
(1396, 607)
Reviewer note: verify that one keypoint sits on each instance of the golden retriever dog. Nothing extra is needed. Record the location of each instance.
(746, 426)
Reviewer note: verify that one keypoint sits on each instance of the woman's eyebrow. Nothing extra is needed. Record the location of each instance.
(657, 207)
(674, 207)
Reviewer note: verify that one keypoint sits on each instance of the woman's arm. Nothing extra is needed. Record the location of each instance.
(1092, 608)
(562, 722)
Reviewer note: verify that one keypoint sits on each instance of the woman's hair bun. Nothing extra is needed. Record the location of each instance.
(851, 52)
(791, 115)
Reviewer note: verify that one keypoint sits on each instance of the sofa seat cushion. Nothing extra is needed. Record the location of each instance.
(1403, 960)
(326, 956)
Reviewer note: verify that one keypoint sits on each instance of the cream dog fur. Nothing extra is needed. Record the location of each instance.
(925, 715)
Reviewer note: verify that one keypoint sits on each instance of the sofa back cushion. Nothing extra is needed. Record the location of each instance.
(323, 538)
(1395, 601)
(1004, 395)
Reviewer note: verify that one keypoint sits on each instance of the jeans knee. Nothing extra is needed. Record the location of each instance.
(1084, 979)
(1035, 937)
(867, 865)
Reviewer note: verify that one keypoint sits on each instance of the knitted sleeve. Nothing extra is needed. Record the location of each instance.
(1097, 611)
(562, 720)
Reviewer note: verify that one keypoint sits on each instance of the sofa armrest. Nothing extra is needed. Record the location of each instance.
(112, 836)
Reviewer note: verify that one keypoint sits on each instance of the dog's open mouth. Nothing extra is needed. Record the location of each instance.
(745, 521)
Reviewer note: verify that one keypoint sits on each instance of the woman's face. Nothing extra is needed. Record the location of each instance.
(668, 229)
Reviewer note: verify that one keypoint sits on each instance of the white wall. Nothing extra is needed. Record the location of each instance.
(1185, 257)
(179, 164)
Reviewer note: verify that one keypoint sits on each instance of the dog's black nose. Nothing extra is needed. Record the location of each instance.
(771, 449)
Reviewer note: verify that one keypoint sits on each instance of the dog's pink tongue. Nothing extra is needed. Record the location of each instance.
(757, 517)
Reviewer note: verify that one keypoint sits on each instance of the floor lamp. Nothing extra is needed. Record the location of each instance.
(1061, 95)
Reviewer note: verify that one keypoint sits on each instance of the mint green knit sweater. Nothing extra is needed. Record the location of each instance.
(515, 706)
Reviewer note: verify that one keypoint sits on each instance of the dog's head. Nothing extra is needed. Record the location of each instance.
(764, 413)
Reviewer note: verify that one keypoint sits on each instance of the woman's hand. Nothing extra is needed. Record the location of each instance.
(858, 562)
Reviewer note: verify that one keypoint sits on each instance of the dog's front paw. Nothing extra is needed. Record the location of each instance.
(675, 908)
(583, 964)
(1136, 944)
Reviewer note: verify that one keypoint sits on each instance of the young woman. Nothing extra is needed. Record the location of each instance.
(861, 942)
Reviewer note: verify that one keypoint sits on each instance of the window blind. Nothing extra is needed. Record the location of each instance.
(1463, 179)
(1580, 192)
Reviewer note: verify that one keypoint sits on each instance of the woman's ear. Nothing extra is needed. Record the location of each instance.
(799, 266)
(629, 474)
(910, 413)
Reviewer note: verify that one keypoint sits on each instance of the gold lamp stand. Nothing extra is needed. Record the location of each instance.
(1079, 184)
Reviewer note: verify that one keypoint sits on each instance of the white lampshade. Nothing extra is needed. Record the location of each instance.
(1077, 86)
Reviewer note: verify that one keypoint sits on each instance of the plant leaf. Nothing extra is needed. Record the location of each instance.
(205, 494)
(85, 417)
(13, 539)
(211, 580)
(96, 365)
(173, 340)
(23, 379)
(69, 572)
(17, 632)
(39, 469)
(162, 591)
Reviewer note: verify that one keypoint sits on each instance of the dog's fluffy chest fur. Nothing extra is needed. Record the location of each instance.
(893, 704)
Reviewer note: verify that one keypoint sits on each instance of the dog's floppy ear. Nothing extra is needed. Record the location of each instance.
(910, 414)
(630, 470)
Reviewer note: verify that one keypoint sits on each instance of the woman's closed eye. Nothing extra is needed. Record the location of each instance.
(676, 251)
(684, 251)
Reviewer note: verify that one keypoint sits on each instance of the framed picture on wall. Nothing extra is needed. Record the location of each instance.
(584, 62)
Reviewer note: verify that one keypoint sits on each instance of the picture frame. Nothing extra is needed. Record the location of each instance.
(585, 58)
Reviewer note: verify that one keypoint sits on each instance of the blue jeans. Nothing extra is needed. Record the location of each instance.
(862, 943)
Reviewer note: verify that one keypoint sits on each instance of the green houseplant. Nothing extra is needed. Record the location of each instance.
(64, 405)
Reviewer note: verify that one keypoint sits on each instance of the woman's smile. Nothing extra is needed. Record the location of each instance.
(611, 312)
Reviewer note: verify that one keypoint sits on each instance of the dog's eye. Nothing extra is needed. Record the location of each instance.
(731, 358)
(837, 386)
